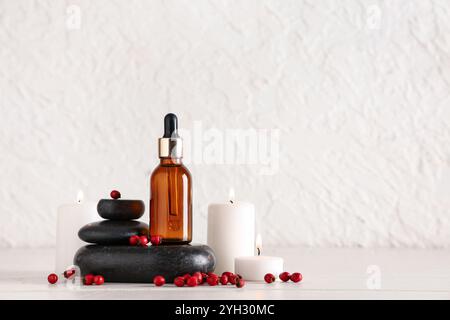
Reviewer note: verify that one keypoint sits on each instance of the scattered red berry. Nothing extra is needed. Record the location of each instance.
(52, 278)
(240, 282)
(192, 282)
(134, 240)
(269, 278)
(179, 281)
(213, 280)
(115, 194)
(159, 281)
(143, 241)
(224, 279)
(296, 277)
(186, 277)
(227, 273)
(69, 273)
(199, 277)
(285, 276)
(232, 279)
(155, 240)
(88, 279)
(204, 277)
(99, 280)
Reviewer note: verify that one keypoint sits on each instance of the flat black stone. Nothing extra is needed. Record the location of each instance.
(141, 264)
(109, 232)
(120, 209)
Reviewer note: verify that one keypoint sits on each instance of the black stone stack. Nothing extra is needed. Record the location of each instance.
(111, 256)
(120, 223)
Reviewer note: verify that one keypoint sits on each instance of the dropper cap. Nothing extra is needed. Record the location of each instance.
(170, 145)
(170, 126)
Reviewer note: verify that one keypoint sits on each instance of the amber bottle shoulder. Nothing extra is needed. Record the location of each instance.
(162, 168)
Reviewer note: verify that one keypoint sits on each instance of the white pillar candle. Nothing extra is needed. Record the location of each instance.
(70, 218)
(231, 232)
(254, 268)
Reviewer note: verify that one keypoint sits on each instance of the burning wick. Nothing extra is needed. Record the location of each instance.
(80, 196)
(258, 244)
(231, 195)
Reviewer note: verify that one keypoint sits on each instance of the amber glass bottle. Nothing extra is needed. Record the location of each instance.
(171, 189)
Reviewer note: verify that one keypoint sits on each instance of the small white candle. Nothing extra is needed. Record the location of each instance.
(254, 268)
(231, 232)
(70, 218)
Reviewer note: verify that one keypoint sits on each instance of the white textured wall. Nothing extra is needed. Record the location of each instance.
(358, 89)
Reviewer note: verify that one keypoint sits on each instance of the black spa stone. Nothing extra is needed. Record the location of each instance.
(109, 232)
(120, 209)
(141, 264)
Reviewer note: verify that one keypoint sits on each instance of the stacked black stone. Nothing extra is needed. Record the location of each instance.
(111, 256)
(120, 223)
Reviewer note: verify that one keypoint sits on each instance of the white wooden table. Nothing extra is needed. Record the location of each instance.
(328, 274)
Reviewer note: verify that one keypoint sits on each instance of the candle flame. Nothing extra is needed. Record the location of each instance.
(80, 196)
(231, 195)
(258, 244)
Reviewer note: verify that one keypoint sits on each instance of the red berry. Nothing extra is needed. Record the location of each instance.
(179, 281)
(156, 240)
(186, 277)
(227, 273)
(240, 283)
(204, 277)
(285, 276)
(88, 279)
(199, 277)
(224, 279)
(192, 282)
(143, 241)
(213, 280)
(99, 280)
(69, 273)
(296, 277)
(269, 278)
(159, 281)
(232, 279)
(115, 194)
(134, 240)
(52, 278)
